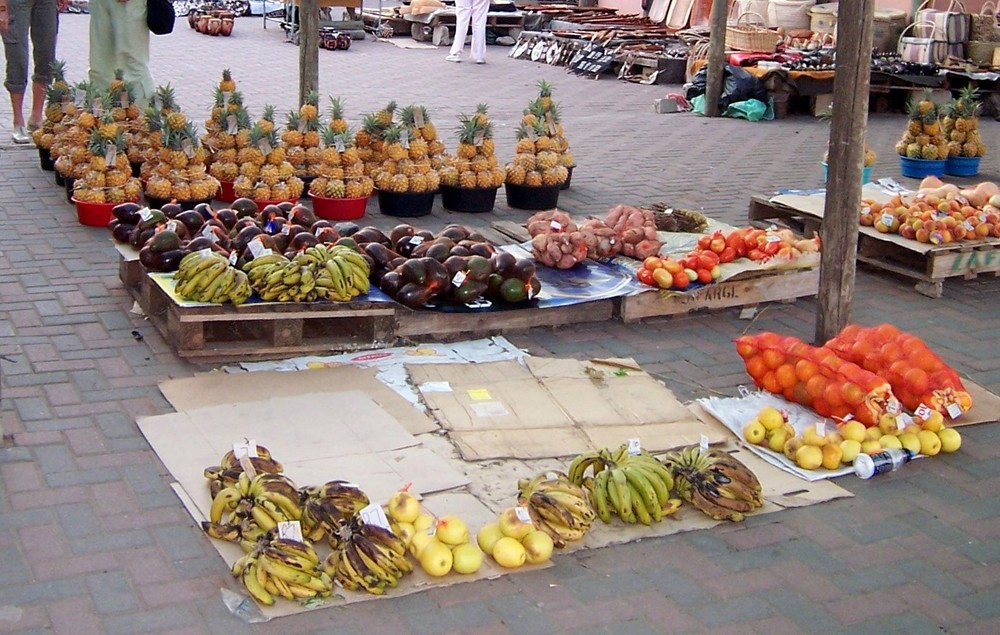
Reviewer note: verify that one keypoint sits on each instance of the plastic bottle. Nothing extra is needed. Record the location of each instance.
(890, 460)
(243, 607)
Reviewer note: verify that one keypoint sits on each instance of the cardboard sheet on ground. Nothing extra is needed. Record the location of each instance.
(215, 388)
(465, 505)
(813, 202)
(554, 408)
(985, 406)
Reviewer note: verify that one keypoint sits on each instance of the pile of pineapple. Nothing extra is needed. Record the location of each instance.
(227, 130)
(368, 139)
(342, 172)
(406, 167)
(301, 138)
(109, 176)
(265, 173)
(423, 132)
(475, 165)
(177, 171)
(59, 102)
(69, 145)
(541, 156)
(548, 111)
(960, 123)
(147, 141)
(924, 138)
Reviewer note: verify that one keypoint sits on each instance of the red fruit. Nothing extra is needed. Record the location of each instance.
(716, 272)
(663, 279)
(728, 254)
(652, 263)
(745, 346)
(735, 241)
(756, 255)
(708, 259)
(645, 276)
(704, 276)
(681, 280)
(718, 243)
(705, 242)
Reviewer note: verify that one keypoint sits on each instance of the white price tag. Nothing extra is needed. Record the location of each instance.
(669, 211)
(247, 466)
(79, 97)
(226, 96)
(110, 150)
(404, 140)
(903, 420)
(458, 278)
(954, 410)
(866, 211)
(887, 219)
(338, 143)
(893, 407)
(703, 443)
(374, 515)
(123, 99)
(962, 200)
(478, 139)
(233, 257)
(968, 226)
(821, 428)
(246, 448)
(145, 213)
(286, 229)
(231, 127)
(847, 417)
(773, 239)
(416, 240)
(418, 118)
(522, 514)
(290, 530)
(556, 226)
(633, 447)
(303, 125)
(923, 411)
(157, 103)
(205, 253)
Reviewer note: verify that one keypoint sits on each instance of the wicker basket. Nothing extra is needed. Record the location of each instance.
(741, 35)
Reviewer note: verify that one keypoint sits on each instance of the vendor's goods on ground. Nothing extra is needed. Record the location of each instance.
(937, 213)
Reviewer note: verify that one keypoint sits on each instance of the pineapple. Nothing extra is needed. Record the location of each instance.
(524, 143)
(923, 140)
(545, 94)
(310, 109)
(227, 85)
(384, 116)
(929, 152)
(337, 122)
(970, 149)
(914, 127)
(266, 121)
(292, 136)
(925, 106)
(913, 151)
(59, 76)
(533, 179)
(394, 148)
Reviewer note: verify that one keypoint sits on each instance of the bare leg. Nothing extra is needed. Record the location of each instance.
(17, 104)
(37, 103)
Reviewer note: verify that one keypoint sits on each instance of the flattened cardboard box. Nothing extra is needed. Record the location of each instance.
(554, 407)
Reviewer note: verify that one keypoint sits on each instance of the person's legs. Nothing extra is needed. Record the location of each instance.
(44, 27)
(15, 44)
(102, 42)
(463, 14)
(132, 44)
(479, 10)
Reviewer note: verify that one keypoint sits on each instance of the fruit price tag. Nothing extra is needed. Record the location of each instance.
(247, 448)
(821, 428)
(954, 410)
(866, 211)
(290, 530)
(65, 105)
(205, 253)
(633, 447)
(233, 257)
(231, 126)
(903, 420)
(847, 417)
(303, 125)
(286, 229)
(270, 227)
(256, 248)
(532, 134)
(938, 215)
(374, 515)
(772, 228)
(416, 240)
(981, 216)
(703, 443)
(226, 96)
(478, 139)
(405, 141)
(556, 226)
(110, 150)
(157, 102)
(531, 292)
(248, 467)
(188, 148)
(669, 211)
(418, 118)
(79, 97)
(743, 391)
(887, 219)
(962, 200)
(522, 514)
(123, 99)
(774, 239)
(97, 108)
(338, 143)
(893, 407)
(550, 121)
(264, 147)
(458, 278)
(968, 226)
(922, 411)
(145, 213)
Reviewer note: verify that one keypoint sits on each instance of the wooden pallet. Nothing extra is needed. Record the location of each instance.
(220, 333)
(773, 287)
(763, 212)
(130, 270)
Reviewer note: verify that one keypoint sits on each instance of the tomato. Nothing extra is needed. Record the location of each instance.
(645, 276)
(651, 263)
(718, 243)
(672, 266)
(663, 278)
(681, 280)
(756, 255)
(705, 242)
(735, 240)
(708, 259)
(746, 346)
(704, 276)
(728, 255)
(771, 247)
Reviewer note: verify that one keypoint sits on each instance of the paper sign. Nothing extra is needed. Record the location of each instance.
(458, 279)
(226, 96)
(522, 514)
(903, 420)
(435, 386)
(338, 143)
(286, 229)
(479, 394)
(248, 467)
(205, 253)
(416, 240)
(821, 428)
(773, 239)
(418, 118)
(374, 515)
(231, 124)
(290, 530)
(703, 442)
(866, 211)
(634, 447)
(123, 99)
(233, 257)
(256, 248)
(79, 97)
(923, 412)
(954, 410)
(887, 219)
(110, 150)
(893, 407)
(246, 448)
(484, 409)
(405, 141)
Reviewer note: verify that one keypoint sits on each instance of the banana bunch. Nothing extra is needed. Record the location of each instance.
(327, 272)
(227, 473)
(557, 506)
(635, 487)
(278, 567)
(369, 558)
(208, 277)
(252, 507)
(328, 509)
(715, 482)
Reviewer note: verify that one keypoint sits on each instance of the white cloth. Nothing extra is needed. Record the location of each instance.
(474, 11)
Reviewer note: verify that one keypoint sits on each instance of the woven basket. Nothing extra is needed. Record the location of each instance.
(743, 36)
(983, 26)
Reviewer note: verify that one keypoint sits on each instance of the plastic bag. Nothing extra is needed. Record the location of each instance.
(737, 85)
(751, 110)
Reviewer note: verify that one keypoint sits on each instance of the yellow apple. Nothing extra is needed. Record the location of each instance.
(754, 432)
(512, 526)
(537, 547)
(832, 455)
(405, 531)
(792, 447)
(809, 457)
(930, 443)
(509, 552)
(436, 559)
(873, 434)
(910, 441)
(849, 449)
(810, 436)
(834, 438)
(403, 507)
(487, 536)
(776, 439)
(420, 540)
(951, 440)
(452, 530)
(887, 424)
(934, 422)
(770, 417)
(913, 429)
(890, 441)
(467, 558)
(854, 430)
(423, 522)
(871, 446)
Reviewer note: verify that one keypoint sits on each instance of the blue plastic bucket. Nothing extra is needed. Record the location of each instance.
(866, 173)
(919, 168)
(962, 166)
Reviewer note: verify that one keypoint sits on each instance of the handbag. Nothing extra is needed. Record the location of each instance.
(983, 26)
(922, 50)
(953, 24)
(160, 16)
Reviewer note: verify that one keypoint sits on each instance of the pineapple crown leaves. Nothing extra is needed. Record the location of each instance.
(227, 75)
(330, 138)
(423, 113)
(482, 108)
(154, 119)
(58, 70)
(336, 108)
(292, 121)
(371, 125)
(522, 132)
(392, 134)
(268, 113)
(467, 128)
(312, 98)
(54, 93)
(407, 115)
(544, 88)
(167, 99)
(390, 107)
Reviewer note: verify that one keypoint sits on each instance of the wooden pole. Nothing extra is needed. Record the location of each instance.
(308, 48)
(846, 162)
(716, 57)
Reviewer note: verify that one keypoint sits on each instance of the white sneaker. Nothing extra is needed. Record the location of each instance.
(454, 58)
(20, 135)
(480, 61)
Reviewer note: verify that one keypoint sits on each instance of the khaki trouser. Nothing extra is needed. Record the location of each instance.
(119, 39)
(40, 18)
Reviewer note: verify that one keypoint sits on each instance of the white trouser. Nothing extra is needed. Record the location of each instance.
(474, 11)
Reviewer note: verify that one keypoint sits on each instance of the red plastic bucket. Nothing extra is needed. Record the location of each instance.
(94, 214)
(226, 193)
(339, 208)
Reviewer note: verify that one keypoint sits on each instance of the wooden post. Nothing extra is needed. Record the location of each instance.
(846, 161)
(716, 57)
(308, 48)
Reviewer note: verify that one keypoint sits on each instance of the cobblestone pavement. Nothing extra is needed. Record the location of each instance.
(92, 540)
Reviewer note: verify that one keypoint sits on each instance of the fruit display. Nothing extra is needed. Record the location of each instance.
(342, 172)
(69, 145)
(58, 103)
(227, 130)
(676, 219)
(177, 169)
(535, 162)
(939, 213)
(368, 139)
(265, 173)
(636, 227)
(404, 170)
(206, 276)
(918, 376)
(557, 241)
(301, 138)
(627, 482)
(814, 377)
(924, 138)
(329, 508)
(557, 506)
(440, 545)
(715, 482)
(336, 273)
(227, 472)
(960, 124)
(108, 178)
(279, 567)
(514, 541)
(423, 136)
(475, 163)
(368, 558)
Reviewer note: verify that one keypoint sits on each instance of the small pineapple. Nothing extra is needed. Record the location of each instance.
(913, 151)
(545, 94)
(929, 152)
(533, 179)
(337, 122)
(227, 85)
(266, 121)
(385, 115)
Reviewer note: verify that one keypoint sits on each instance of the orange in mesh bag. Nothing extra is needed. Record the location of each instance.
(814, 377)
(915, 372)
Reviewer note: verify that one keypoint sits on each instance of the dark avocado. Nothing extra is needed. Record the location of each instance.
(479, 268)
(523, 270)
(468, 291)
(437, 276)
(228, 218)
(459, 250)
(438, 251)
(126, 213)
(302, 240)
(178, 228)
(244, 237)
(494, 284)
(171, 260)
(454, 264)
(286, 207)
(346, 228)
(320, 224)
(483, 249)
(140, 236)
(153, 218)
(122, 232)
(150, 259)
(327, 235)
(204, 210)
(397, 262)
(391, 283)
(380, 236)
(414, 295)
(455, 232)
(164, 241)
(346, 241)
(302, 216)
(244, 207)
(192, 220)
(513, 290)
(401, 231)
(171, 210)
(414, 270)
(379, 253)
(503, 262)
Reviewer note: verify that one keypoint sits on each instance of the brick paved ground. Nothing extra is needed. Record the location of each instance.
(92, 539)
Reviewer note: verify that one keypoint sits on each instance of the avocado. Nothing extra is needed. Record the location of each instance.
(153, 218)
(126, 213)
(286, 207)
(454, 232)
(199, 243)
(164, 241)
(122, 232)
(536, 287)
(178, 228)
(414, 270)
(302, 241)
(171, 210)
(346, 242)
(414, 295)
(476, 237)
(269, 212)
(523, 270)
(171, 260)
(459, 250)
(437, 276)
(140, 236)
(513, 290)
(346, 228)
(244, 207)
(503, 262)
(302, 216)
(379, 253)
(327, 235)
(400, 231)
(391, 283)
(320, 224)
(397, 262)
(228, 218)
(192, 220)
(204, 210)
(483, 249)
(370, 235)
(493, 288)
(454, 264)
(479, 268)
(468, 291)
(280, 242)
(244, 237)
(150, 259)
(438, 252)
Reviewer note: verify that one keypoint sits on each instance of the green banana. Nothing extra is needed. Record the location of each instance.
(640, 512)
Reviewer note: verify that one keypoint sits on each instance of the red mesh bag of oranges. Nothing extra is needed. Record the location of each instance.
(814, 377)
(915, 372)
